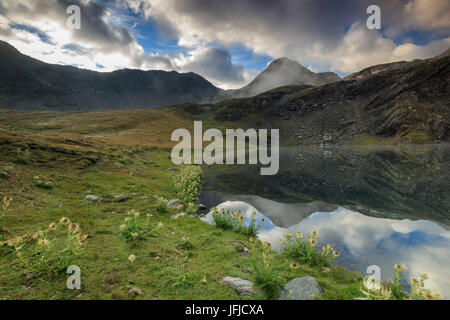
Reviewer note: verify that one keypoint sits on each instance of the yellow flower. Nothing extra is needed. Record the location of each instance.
(122, 227)
(294, 266)
(267, 245)
(73, 227)
(185, 238)
(299, 235)
(43, 242)
(415, 282)
(336, 253)
(82, 237)
(314, 234)
(288, 235)
(64, 220)
(160, 224)
(398, 268)
(52, 226)
(132, 257)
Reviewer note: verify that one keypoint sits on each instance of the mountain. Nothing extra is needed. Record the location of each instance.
(27, 83)
(280, 72)
(408, 101)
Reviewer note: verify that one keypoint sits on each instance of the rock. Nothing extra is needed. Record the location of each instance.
(30, 275)
(243, 287)
(241, 249)
(174, 203)
(93, 198)
(305, 288)
(176, 216)
(135, 291)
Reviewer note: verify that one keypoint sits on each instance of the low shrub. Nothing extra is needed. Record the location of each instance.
(235, 221)
(52, 251)
(264, 276)
(304, 250)
(188, 183)
(136, 227)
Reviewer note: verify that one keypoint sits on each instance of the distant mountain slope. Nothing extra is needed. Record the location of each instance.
(410, 101)
(27, 83)
(280, 72)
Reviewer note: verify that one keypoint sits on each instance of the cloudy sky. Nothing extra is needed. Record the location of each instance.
(226, 41)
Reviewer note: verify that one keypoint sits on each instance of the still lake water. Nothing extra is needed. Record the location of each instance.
(377, 205)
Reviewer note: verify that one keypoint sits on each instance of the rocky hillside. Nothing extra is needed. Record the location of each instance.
(410, 101)
(280, 72)
(27, 83)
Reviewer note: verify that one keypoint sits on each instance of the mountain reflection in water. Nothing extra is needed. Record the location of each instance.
(377, 206)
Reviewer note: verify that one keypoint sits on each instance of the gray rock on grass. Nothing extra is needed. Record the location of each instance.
(243, 287)
(305, 288)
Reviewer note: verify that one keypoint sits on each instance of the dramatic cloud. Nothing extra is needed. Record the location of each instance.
(325, 34)
(320, 34)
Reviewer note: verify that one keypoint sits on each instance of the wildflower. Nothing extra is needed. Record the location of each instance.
(294, 266)
(415, 282)
(73, 227)
(37, 235)
(136, 214)
(64, 220)
(267, 245)
(52, 226)
(299, 235)
(43, 242)
(185, 238)
(314, 234)
(312, 241)
(126, 219)
(82, 237)
(398, 268)
(132, 257)
(336, 253)
(14, 242)
(263, 219)
(135, 235)
(282, 241)
(252, 240)
(288, 235)
(122, 227)
(149, 215)
(371, 284)
(241, 218)
(160, 224)
(204, 280)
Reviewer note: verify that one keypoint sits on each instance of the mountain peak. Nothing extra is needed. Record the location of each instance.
(7, 51)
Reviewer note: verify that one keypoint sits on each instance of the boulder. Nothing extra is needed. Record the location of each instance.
(305, 288)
